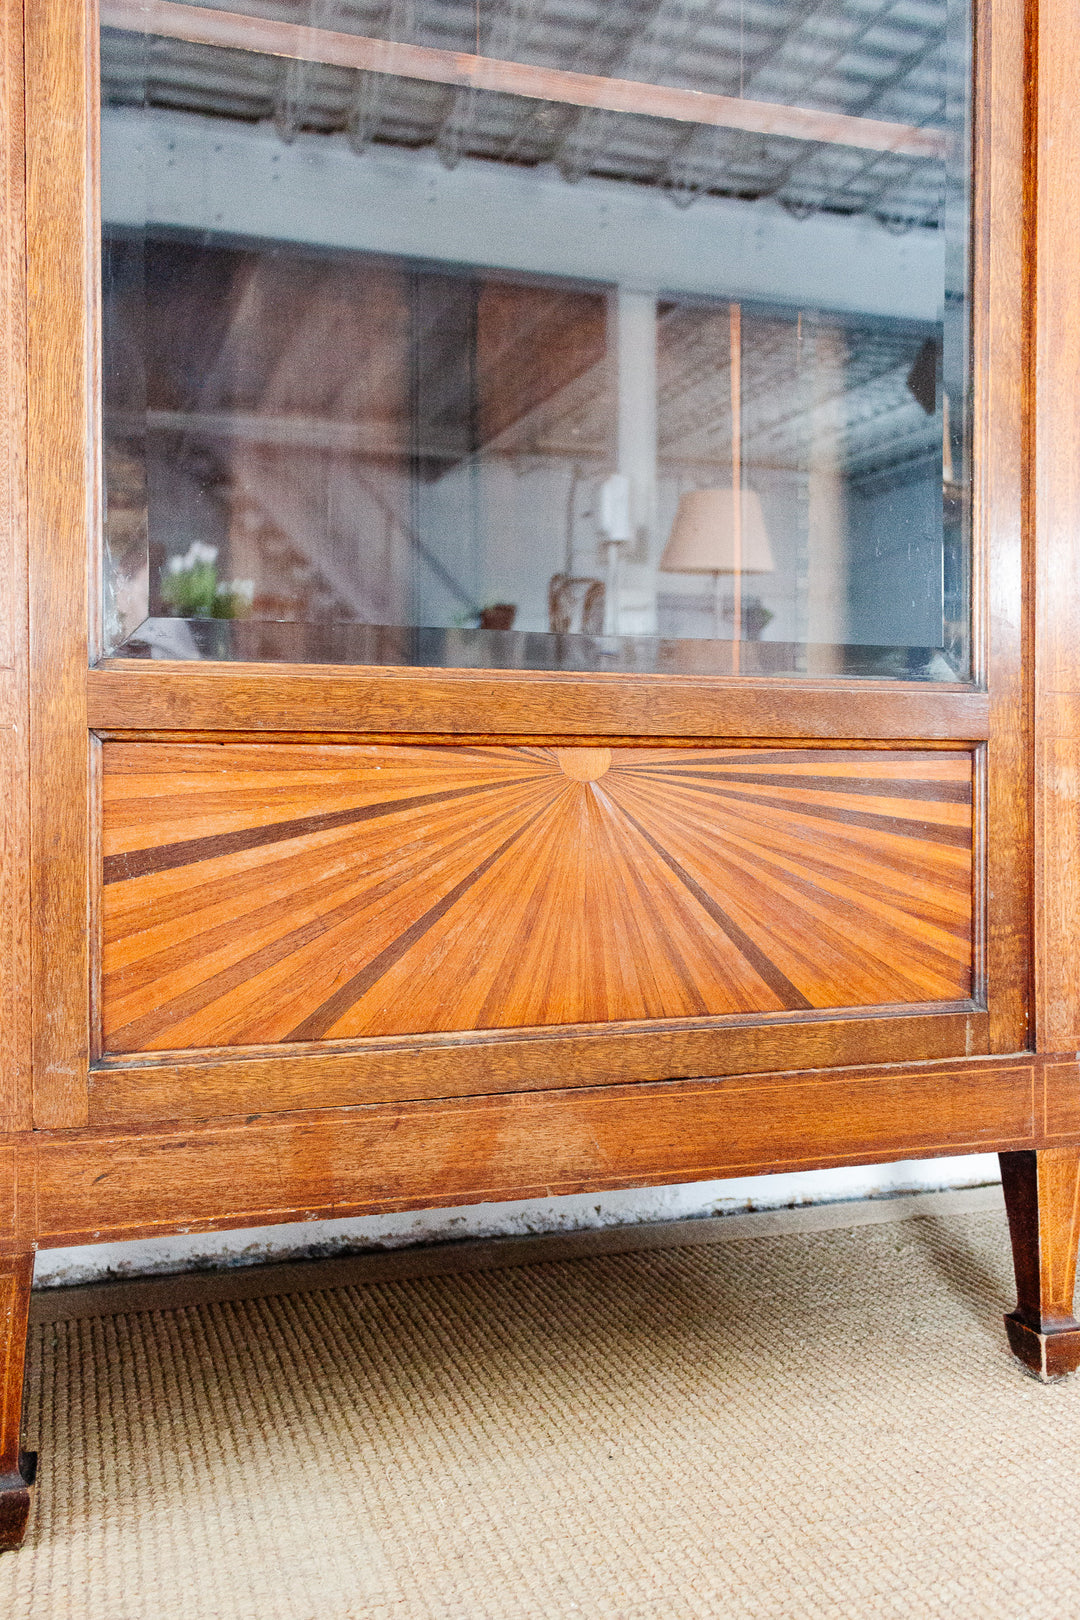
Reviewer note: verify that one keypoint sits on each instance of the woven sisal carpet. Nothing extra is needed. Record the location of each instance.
(818, 1424)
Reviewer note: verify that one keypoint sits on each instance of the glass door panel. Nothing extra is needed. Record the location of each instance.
(514, 335)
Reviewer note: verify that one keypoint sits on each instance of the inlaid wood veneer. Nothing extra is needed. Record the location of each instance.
(259, 893)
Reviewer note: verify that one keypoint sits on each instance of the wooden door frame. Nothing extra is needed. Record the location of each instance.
(68, 700)
(63, 518)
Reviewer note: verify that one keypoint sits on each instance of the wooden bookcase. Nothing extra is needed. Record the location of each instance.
(118, 1123)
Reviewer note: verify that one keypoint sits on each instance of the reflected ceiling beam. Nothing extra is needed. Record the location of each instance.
(299, 43)
(185, 171)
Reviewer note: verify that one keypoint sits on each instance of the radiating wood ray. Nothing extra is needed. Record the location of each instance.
(947, 792)
(318, 932)
(822, 918)
(851, 899)
(317, 859)
(867, 881)
(893, 810)
(712, 820)
(264, 893)
(845, 840)
(828, 916)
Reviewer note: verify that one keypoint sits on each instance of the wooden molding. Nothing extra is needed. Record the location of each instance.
(1055, 494)
(204, 1085)
(328, 698)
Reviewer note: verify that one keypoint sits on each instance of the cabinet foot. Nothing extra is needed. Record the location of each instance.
(16, 1496)
(16, 1466)
(1047, 1355)
(1042, 1197)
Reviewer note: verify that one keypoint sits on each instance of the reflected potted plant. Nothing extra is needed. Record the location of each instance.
(191, 589)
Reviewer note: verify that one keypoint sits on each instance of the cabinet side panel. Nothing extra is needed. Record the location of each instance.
(261, 894)
(1057, 515)
(15, 1110)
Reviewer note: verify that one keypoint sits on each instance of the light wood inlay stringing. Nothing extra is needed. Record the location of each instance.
(261, 893)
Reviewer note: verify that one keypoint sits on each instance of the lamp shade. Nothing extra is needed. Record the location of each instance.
(702, 539)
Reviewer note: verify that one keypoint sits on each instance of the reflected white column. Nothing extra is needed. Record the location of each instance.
(635, 446)
(632, 343)
(827, 584)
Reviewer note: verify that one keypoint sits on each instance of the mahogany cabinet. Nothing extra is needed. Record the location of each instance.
(639, 742)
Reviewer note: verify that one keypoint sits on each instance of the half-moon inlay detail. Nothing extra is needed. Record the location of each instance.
(264, 893)
(584, 764)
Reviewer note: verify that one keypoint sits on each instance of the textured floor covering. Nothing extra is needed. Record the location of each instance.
(824, 1424)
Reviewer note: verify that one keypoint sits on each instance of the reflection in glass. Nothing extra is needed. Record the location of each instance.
(428, 372)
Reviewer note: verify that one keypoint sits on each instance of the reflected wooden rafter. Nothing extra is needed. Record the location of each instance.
(298, 42)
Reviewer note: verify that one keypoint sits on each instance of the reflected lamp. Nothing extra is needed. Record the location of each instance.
(718, 531)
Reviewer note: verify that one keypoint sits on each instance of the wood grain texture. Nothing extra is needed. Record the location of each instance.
(310, 1164)
(62, 486)
(18, 1207)
(16, 1466)
(256, 894)
(97, 1184)
(200, 1085)
(1001, 308)
(1042, 1196)
(1055, 376)
(15, 1094)
(330, 698)
(1056, 357)
(1057, 913)
(12, 342)
(1061, 1099)
(8, 1181)
(15, 1097)
(15, 1277)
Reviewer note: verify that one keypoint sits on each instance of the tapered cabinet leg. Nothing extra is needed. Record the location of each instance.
(16, 1465)
(1042, 1197)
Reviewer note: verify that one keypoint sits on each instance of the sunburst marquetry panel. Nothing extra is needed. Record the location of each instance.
(261, 893)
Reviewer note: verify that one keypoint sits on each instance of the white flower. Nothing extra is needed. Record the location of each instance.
(243, 588)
